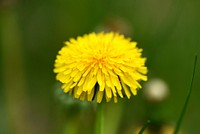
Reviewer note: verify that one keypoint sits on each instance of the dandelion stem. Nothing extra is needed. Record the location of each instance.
(144, 127)
(100, 119)
(187, 99)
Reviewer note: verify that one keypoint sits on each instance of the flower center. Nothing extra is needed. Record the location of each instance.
(99, 60)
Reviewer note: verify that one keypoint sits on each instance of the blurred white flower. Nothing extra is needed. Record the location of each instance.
(156, 90)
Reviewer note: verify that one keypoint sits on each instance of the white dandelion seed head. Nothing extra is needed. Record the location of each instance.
(156, 90)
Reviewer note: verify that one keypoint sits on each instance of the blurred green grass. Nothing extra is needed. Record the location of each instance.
(33, 31)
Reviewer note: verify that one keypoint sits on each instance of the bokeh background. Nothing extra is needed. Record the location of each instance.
(33, 31)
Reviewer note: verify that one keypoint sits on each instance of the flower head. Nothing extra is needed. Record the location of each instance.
(102, 65)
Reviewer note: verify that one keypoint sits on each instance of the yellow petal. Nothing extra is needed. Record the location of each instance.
(102, 87)
(87, 71)
(99, 96)
(60, 69)
(118, 71)
(101, 80)
(99, 77)
(120, 93)
(87, 82)
(91, 95)
(73, 85)
(81, 67)
(79, 90)
(74, 72)
(67, 71)
(116, 82)
(126, 90)
(104, 70)
(134, 91)
(77, 77)
(115, 99)
(82, 80)
(108, 92)
(107, 99)
(67, 88)
(82, 97)
(91, 84)
(108, 82)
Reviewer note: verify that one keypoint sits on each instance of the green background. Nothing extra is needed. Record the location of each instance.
(33, 31)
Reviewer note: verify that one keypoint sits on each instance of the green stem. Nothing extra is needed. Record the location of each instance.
(100, 119)
(144, 127)
(187, 99)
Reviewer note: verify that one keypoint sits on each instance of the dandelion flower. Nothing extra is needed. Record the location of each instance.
(103, 65)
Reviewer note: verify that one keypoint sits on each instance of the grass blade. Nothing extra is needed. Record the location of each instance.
(144, 127)
(187, 99)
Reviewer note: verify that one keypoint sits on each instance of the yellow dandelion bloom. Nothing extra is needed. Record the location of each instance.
(105, 65)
